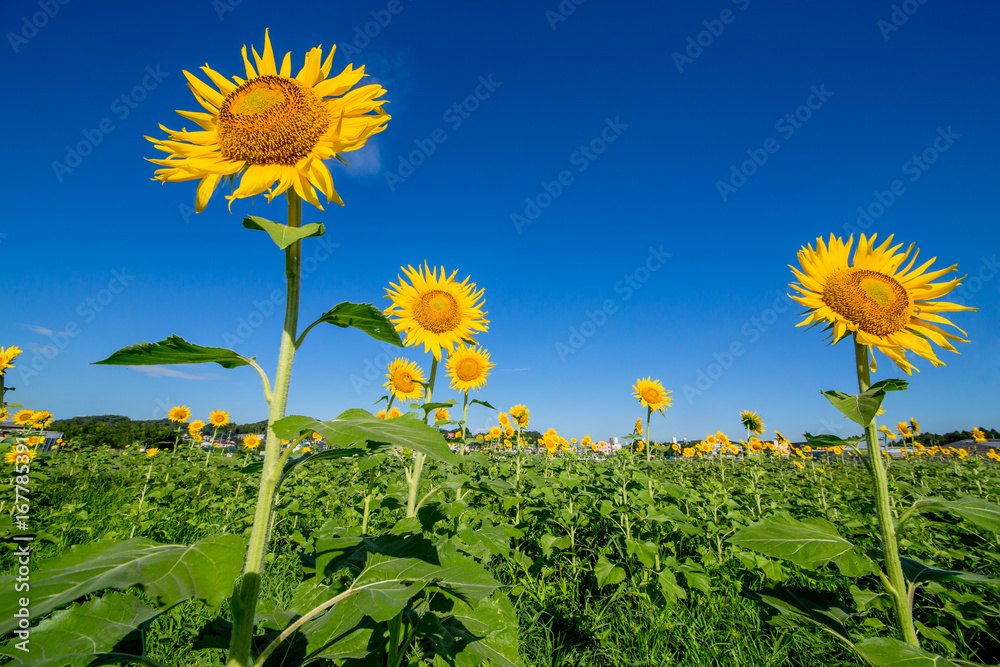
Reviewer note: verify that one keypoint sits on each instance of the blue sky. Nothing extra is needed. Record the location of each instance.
(627, 181)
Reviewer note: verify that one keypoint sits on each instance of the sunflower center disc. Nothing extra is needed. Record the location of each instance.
(651, 395)
(271, 120)
(875, 302)
(437, 311)
(404, 383)
(468, 370)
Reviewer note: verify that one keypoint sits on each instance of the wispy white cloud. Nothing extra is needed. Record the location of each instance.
(41, 331)
(364, 161)
(163, 371)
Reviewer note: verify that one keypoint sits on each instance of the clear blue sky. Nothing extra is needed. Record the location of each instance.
(642, 108)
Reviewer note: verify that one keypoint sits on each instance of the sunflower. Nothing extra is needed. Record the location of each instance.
(218, 418)
(494, 433)
(152, 452)
(251, 441)
(468, 367)
(179, 414)
(711, 440)
(273, 128)
(4, 414)
(195, 427)
(640, 446)
(439, 312)
(11, 456)
(24, 417)
(978, 435)
(393, 413)
(7, 356)
(651, 394)
(752, 422)
(441, 415)
(914, 426)
(638, 426)
(520, 415)
(41, 419)
(380, 414)
(887, 431)
(404, 380)
(504, 419)
(904, 430)
(722, 437)
(886, 307)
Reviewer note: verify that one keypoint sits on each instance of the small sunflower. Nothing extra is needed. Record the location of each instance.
(723, 438)
(468, 367)
(380, 414)
(752, 422)
(887, 307)
(978, 435)
(914, 426)
(782, 440)
(24, 417)
(218, 418)
(394, 412)
(638, 426)
(494, 433)
(316, 436)
(251, 441)
(438, 312)
(405, 379)
(7, 356)
(441, 415)
(521, 415)
(711, 440)
(195, 427)
(504, 419)
(273, 128)
(152, 452)
(179, 414)
(904, 430)
(651, 394)
(41, 419)
(4, 414)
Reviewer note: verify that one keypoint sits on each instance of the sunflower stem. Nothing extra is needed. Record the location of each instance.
(413, 474)
(890, 546)
(247, 592)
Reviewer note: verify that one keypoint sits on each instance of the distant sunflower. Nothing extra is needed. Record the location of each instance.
(904, 430)
(195, 427)
(179, 414)
(468, 367)
(521, 415)
(886, 307)
(638, 426)
(436, 311)
(41, 419)
(23, 417)
(11, 456)
(914, 426)
(394, 412)
(978, 435)
(218, 418)
(651, 394)
(151, 452)
(404, 380)
(273, 128)
(441, 415)
(752, 422)
(251, 441)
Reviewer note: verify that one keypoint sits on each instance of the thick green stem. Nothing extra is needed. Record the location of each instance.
(897, 586)
(413, 474)
(244, 600)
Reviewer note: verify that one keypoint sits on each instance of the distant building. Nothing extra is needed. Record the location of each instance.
(13, 428)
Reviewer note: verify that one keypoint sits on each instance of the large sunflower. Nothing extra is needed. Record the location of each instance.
(439, 312)
(274, 128)
(887, 307)
(218, 418)
(651, 394)
(404, 380)
(179, 414)
(752, 422)
(468, 367)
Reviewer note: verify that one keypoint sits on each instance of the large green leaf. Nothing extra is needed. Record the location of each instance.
(809, 543)
(363, 316)
(169, 574)
(358, 426)
(884, 652)
(283, 235)
(173, 350)
(797, 607)
(483, 634)
(861, 408)
(917, 572)
(607, 573)
(974, 510)
(75, 635)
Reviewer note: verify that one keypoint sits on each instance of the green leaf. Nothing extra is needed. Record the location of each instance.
(283, 235)
(808, 543)
(974, 510)
(310, 457)
(73, 636)
(488, 631)
(916, 572)
(168, 573)
(483, 403)
(885, 652)
(358, 426)
(173, 350)
(861, 408)
(363, 316)
(796, 607)
(826, 441)
(607, 573)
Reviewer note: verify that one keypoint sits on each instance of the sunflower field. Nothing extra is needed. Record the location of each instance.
(402, 538)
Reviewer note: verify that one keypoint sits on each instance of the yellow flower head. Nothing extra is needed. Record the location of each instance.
(11, 456)
(316, 436)
(640, 446)
(24, 417)
(306, 450)
(152, 452)
(722, 437)
(380, 414)
(441, 415)
(978, 435)
(638, 426)
(273, 128)
(41, 419)
(914, 426)
(504, 419)
(404, 380)
(689, 452)
(218, 418)
(251, 441)
(393, 413)
(179, 414)
(195, 427)
(438, 312)
(887, 307)
(651, 394)
(711, 440)
(904, 430)
(494, 433)
(799, 465)
(887, 431)
(7, 356)
(782, 440)
(752, 422)
(676, 447)
(992, 453)
(468, 367)
(521, 415)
